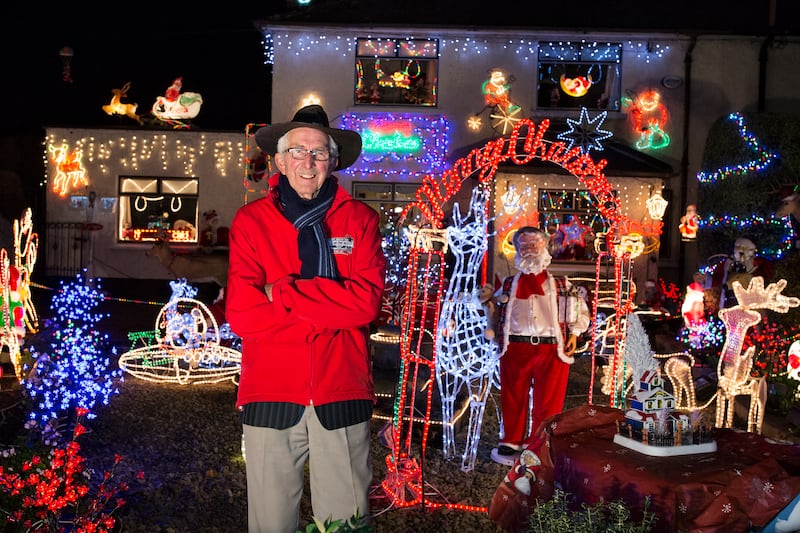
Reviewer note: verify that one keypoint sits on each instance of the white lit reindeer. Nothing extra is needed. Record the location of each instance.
(466, 358)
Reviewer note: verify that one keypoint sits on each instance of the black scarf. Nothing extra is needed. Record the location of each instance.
(313, 246)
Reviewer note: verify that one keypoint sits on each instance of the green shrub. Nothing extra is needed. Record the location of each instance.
(354, 524)
(555, 516)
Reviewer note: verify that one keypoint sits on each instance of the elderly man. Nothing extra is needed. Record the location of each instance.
(305, 281)
(540, 318)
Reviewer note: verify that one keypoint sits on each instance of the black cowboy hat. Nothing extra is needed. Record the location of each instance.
(312, 116)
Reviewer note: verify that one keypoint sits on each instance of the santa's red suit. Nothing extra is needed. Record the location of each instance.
(535, 305)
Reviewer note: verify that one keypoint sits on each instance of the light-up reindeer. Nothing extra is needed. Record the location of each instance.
(465, 357)
(116, 107)
(734, 367)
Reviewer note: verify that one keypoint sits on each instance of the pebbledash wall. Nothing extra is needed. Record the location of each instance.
(89, 172)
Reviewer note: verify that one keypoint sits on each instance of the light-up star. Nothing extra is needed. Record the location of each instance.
(586, 133)
(474, 123)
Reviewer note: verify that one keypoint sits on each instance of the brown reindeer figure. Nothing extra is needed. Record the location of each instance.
(194, 268)
(116, 107)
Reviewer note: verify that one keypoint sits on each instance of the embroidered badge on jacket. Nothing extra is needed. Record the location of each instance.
(342, 245)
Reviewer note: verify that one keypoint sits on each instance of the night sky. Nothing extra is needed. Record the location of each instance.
(218, 50)
(219, 55)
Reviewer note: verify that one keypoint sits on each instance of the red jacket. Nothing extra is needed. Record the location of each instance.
(310, 343)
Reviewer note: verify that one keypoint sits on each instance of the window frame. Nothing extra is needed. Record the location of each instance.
(575, 202)
(387, 90)
(150, 194)
(573, 60)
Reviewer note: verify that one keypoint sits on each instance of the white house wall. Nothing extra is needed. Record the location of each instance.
(215, 158)
(308, 64)
(721, 73)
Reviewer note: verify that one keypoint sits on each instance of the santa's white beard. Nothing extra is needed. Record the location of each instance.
(533, 264)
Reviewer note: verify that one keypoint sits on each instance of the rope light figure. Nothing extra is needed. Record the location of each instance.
(186, 347)
(12, 331)
(26, 251)
(465, 358)
(17, 312)
(504, 113)
(734, 367)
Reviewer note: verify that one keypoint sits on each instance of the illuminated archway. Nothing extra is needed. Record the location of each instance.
(526, 142)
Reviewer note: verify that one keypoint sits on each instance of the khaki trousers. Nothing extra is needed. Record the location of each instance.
(340, 473)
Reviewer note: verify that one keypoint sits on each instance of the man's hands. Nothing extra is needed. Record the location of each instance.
(268, 292)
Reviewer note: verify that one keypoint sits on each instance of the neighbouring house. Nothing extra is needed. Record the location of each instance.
(111, 193)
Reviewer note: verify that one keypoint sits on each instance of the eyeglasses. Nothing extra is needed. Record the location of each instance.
(321, 154)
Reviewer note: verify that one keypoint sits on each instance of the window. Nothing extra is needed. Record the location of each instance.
(396, 72)
(572, 222)
(576, 75)
(155, 208)
(388, 199)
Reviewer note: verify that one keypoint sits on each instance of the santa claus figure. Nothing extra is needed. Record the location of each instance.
(688, 226)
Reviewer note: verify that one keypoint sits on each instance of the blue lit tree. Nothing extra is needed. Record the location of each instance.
(75, 372)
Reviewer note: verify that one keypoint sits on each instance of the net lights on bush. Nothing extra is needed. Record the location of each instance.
(782, 226)
(762, 157)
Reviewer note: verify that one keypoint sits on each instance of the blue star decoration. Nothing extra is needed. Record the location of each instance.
(585, 132)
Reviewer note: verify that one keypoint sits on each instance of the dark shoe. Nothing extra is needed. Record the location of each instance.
(504, 455)
(507, 450)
